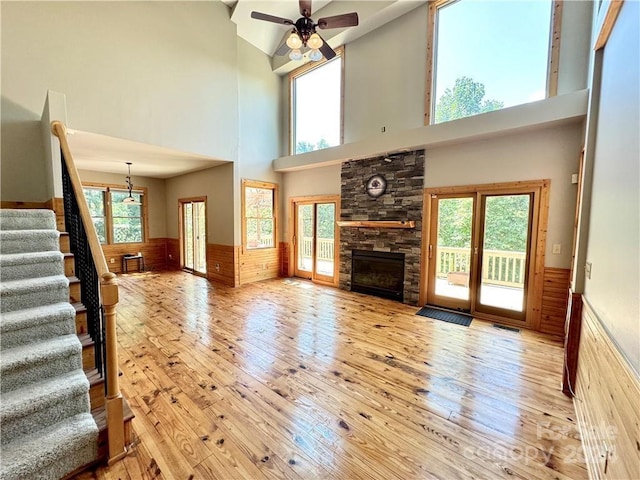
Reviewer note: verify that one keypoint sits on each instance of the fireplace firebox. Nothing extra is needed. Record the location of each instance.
(378, 273)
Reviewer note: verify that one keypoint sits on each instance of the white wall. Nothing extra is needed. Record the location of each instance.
(162, 73)
(385, 78)
(550, 153)
(575, 41)
(156, 196)
(259, 122)
(614, 232)
(217, 185)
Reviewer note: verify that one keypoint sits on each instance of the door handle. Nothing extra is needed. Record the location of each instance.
(430, 251)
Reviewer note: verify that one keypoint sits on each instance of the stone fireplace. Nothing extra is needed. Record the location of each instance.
(402, 201)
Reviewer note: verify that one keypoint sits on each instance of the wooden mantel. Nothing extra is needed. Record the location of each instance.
(378, 224)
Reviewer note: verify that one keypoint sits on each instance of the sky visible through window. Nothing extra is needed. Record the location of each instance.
(503, 45)
(317, 107)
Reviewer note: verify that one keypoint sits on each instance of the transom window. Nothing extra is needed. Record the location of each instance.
(116, 222)
(488, 55)
(259, 200)
(316, 105)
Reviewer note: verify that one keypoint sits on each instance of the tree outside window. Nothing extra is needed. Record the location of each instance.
(114, 221)
(259, 215)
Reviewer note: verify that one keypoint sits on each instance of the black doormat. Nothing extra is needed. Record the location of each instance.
(450, 317)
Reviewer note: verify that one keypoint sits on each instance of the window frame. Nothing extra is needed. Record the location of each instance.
(307, 67)
(267, 186)
(552, 62)
(107, 188)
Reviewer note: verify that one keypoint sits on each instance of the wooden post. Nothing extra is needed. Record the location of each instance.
(114, 403)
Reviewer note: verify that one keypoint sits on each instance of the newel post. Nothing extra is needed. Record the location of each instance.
(114, 403)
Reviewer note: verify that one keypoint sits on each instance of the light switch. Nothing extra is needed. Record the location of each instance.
(557, 248)
(587, 269)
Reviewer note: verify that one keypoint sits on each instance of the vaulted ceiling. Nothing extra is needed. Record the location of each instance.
(269, 36)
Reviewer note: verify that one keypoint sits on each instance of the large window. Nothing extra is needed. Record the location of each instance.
(489, 55)
(259, 200)
(116, 222)
(316, 105)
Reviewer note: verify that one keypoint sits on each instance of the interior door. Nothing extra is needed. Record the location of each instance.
(315, 240)
(450, 251)
(193, 235)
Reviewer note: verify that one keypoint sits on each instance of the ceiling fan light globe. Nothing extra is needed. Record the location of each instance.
(315, 55)
(314, 42)
(295, 54)
(294, 42)
(130, 201)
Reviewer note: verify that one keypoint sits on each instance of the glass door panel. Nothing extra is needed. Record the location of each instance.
(200, 238)
(450, 252)
(187, 225)
(504, 247)
(325, 240)
(193, 236)
(304, 240)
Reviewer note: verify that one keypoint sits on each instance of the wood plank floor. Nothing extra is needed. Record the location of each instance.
(286, 379)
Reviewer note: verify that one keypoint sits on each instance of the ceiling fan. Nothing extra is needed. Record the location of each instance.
(304, 35)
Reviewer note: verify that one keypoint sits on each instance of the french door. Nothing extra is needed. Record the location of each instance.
(193, 237)
(315, 239)
(481, 251)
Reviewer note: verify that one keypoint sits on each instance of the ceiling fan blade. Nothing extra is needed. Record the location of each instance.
(305, 8)
(326, 50)
(271, 18)
(339, 21)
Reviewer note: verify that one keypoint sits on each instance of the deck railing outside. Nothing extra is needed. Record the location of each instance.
(500, 267)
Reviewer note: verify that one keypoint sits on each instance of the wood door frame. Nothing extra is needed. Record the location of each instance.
(433, 220)
(292, 230)
(181, 242)
(537, 247)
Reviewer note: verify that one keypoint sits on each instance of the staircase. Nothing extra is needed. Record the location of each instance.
(46, 427)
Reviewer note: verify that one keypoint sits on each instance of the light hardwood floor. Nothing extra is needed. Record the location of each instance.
(286, 379)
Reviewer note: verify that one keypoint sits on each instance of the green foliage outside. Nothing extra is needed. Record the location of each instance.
(506, 227)
(259, 215)
(303, 147)
(326, 213)
(126, 219)
(464, 100)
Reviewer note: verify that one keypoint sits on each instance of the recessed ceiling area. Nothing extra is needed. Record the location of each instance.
(101, 153)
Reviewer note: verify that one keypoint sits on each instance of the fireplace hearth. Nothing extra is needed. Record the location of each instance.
(378, 273)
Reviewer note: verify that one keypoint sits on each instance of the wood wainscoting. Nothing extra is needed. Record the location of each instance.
(154, 251)
(555, 292)
(285, 251)
(173, 253)
(222, 263)
(606, 402)
(258, 264)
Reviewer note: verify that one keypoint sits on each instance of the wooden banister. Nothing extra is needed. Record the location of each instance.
(109, 299)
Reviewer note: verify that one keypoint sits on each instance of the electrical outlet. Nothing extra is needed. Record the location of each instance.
(113, 260)
(587, 269)
(557, 248)
(217, 267)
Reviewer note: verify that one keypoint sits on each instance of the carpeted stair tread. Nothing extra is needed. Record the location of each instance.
(21, 327)
(14, 266)
(37, 361)
(54, 452)
(26, 241)
(40, 404)
(31, 292)
(23, 219)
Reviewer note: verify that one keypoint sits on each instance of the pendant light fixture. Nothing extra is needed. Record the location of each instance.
(130, 200)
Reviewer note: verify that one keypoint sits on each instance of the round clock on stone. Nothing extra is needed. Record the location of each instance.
(376, 186)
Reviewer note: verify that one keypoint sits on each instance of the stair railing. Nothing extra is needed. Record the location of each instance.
(99, 289)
